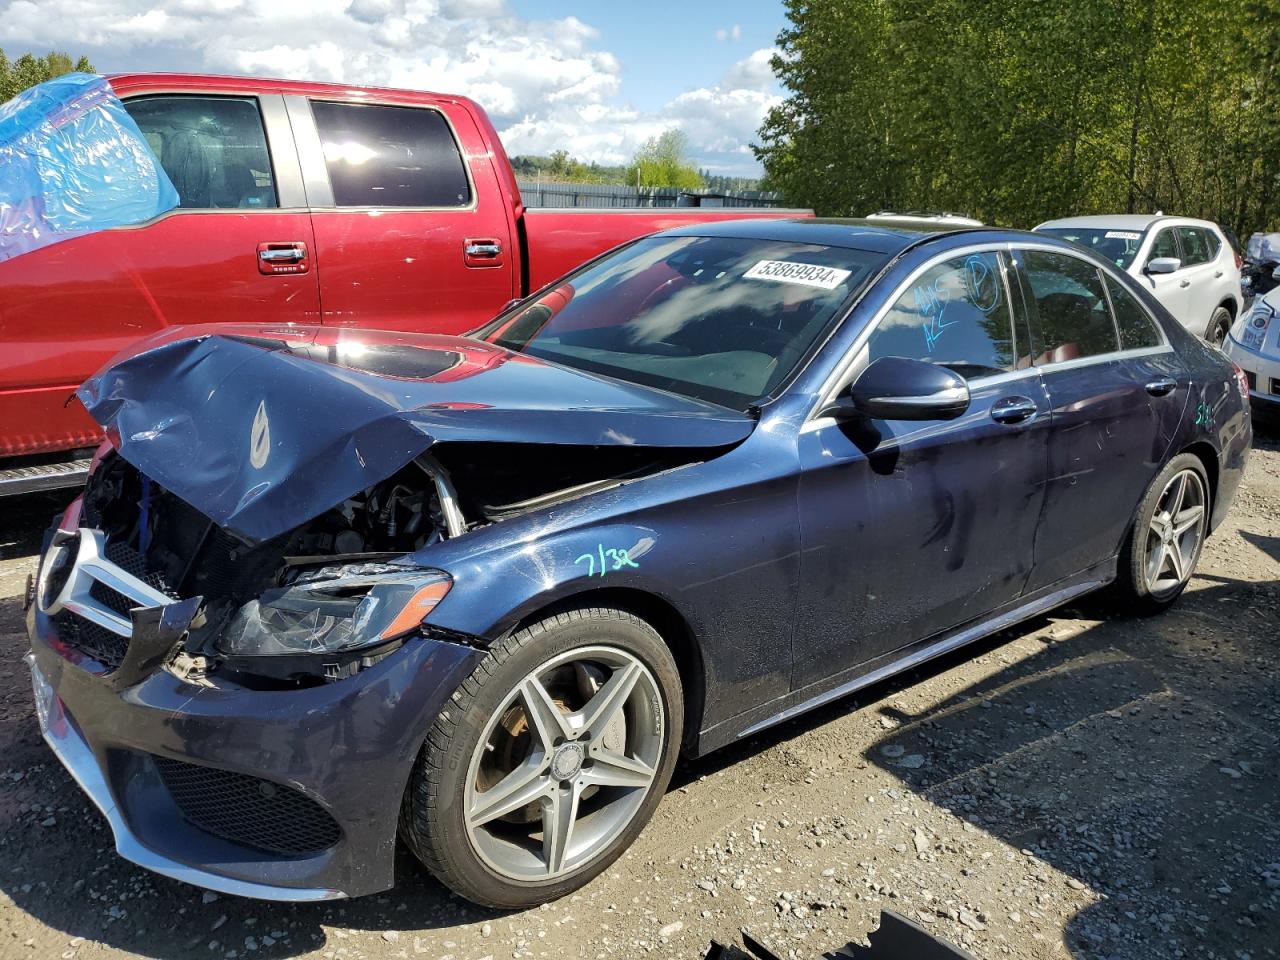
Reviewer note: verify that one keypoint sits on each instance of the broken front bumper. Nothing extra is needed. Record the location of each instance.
(276, 794)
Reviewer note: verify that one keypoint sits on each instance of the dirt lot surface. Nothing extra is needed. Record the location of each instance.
(1077, 787)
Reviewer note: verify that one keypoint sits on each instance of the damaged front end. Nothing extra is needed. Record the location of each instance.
(135, 578)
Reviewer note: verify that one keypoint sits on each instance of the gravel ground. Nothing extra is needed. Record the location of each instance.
(1077, 787)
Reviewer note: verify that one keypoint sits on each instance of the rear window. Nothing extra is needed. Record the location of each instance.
(1115, 244)
(384, 156)
(1137, 329)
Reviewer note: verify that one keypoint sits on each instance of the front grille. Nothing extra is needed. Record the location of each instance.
(247, 810)
(90, 588)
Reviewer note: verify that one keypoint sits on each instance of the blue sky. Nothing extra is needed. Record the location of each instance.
(595, 79)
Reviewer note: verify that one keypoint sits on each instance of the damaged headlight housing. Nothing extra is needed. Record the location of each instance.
(333, 610)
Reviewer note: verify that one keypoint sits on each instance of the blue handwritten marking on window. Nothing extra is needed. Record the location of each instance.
(610, 560)
(982, 283)
(932, 302)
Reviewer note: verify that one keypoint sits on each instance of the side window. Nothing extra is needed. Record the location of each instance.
(1137, 329)
(214, 149)
(1070, 307)
(1194, 249)
(381, 156)
(1164, 245)
(956, 314)
(1212, 242)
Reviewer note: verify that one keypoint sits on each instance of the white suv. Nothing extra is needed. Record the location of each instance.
(1188, 265)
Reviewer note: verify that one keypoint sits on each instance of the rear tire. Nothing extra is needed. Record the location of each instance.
(1219, 326)
(548, 760)
(1167, 536)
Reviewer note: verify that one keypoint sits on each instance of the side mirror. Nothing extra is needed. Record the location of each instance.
(1164, 265)
(895, 388)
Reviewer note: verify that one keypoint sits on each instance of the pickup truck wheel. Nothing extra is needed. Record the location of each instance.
(1219, 326)
(549, 759)
(1167, 536)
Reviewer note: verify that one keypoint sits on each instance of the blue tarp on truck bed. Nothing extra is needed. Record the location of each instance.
(72, 161)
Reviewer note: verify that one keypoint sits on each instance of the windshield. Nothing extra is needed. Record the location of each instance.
(715, 318)
(1118, 246)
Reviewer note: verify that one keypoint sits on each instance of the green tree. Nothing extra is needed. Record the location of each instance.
(28, 70)
(1017, 111)
(664, 162)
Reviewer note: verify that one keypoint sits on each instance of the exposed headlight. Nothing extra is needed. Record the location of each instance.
(1251, 329)
(333, 610)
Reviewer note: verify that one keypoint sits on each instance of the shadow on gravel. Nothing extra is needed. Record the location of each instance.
(1140, 758)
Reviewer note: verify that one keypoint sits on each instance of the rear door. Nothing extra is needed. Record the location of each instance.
(1115, 408)
(408, 215)
(69, 307)
(1199, 267)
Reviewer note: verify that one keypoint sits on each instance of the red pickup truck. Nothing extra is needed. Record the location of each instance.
(299, 203)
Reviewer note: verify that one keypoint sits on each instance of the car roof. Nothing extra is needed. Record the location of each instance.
(1120, 221)
(878, 236)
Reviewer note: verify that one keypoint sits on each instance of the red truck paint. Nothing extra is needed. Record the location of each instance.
(67, 308)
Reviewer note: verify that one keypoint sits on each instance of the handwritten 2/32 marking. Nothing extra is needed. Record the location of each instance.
(608, 560)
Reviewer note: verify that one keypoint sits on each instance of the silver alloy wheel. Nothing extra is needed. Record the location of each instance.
(566, 761)
(1175, 533)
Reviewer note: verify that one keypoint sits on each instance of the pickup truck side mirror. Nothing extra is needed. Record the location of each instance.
(1164, 265)
(896, 388)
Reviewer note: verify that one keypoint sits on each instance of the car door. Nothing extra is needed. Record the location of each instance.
(1198, 270)
(1169, 288)
(910, 528)
(409, 220)
(70, 306)
(1115, 408)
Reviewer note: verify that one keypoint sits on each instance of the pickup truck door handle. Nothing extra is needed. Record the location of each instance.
(289, 256)
(1161, 386)
(1013, 410)
(481, 252)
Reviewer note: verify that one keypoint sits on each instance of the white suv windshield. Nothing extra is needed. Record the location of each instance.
(1111, 243)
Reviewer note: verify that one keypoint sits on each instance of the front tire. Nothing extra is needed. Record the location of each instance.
(1219, 327)
(1168, 534)
(549, 759)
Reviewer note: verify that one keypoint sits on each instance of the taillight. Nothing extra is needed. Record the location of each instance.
(1242, 380)
(1239, 261)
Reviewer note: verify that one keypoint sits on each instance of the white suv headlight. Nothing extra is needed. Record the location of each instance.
(1251, 329)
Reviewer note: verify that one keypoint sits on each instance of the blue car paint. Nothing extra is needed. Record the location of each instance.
(769, 550)
(319, 431)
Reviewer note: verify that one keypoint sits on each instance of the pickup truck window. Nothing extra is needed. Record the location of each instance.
(721, 319)
(214, 149)
(386, 156)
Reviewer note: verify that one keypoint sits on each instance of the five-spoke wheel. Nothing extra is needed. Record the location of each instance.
(550, 759)
(1167, 536)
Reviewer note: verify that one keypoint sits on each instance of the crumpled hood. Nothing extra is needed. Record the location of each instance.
(264, 430)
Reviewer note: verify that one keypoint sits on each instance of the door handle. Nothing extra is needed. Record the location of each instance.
(289, 256)
(1184, 283)
(1013, 410)
(482, 253)
(1161, 386)
(1217, 275)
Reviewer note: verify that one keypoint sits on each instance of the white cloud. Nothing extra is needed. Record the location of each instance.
(733, 33)
(547, 84)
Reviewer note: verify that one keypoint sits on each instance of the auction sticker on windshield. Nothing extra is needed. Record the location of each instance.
(808, 274)
(1123, 235)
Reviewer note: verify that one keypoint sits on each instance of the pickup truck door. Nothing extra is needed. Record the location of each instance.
(411, 223)
(238, 248)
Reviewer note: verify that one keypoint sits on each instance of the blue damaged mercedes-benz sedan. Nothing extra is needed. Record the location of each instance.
(326, 588)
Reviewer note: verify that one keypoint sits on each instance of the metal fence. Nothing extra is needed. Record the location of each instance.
(545, 193)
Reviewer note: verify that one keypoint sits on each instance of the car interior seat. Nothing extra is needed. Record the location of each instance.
(186, 161)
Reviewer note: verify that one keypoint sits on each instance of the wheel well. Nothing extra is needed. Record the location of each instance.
(1230, 306)
(1209, 459)
(671, 626)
